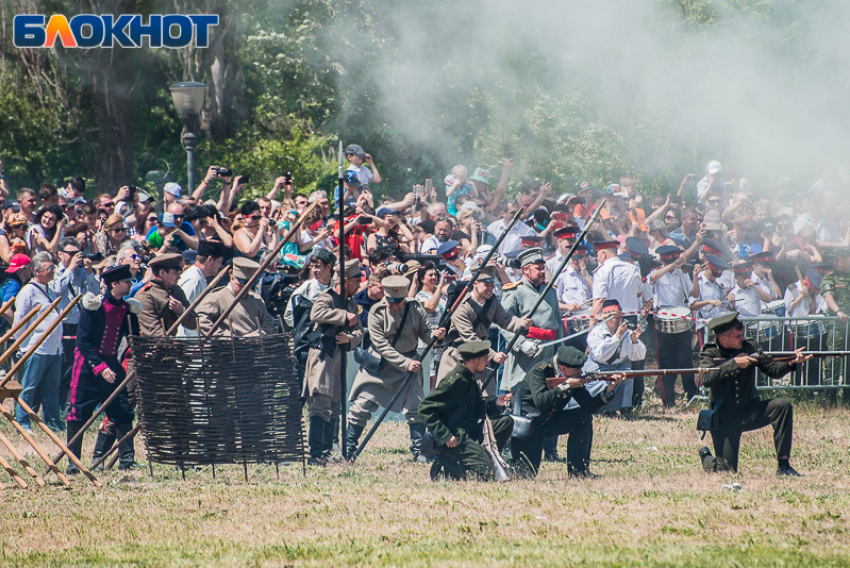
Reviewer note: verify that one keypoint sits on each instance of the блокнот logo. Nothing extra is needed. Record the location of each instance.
(106, 30)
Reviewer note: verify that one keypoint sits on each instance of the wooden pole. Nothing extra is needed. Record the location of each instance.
(15, 329)
(35, 446)
(21, 459)
(131, 375)
(5, 465)
(343, 355)
(53, 325)
(6, 305)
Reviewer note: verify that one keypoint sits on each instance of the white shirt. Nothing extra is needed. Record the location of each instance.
(618, 280)
(364, 174)
(31, 295)
(69, 284)
(514, 239)
(430, 244)
(309, 290)
(192, 282)
(572, 288)
(764, 284)
(805, 307)
(672, 289)
(603, 346)
(747, 302)
(710, 291)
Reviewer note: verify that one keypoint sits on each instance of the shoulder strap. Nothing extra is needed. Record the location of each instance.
(481, 313)
(401, 325)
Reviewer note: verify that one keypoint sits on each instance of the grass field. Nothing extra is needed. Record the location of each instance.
(652, 506)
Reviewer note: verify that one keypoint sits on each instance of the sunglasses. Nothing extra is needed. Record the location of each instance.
(110, 204)
(71, 252)
(119, 230)
(179, 216)
(256, 217)
(152, 219)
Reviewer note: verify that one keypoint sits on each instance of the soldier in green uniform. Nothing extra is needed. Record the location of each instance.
(733, 395)
(835, 289)
(454, 414)
(547, 406)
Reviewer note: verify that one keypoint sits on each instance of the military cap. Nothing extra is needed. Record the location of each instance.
(473, 349)
(567, 233)
(571, 357)
(169, 260)
(116, 273)
(488, 274)
(822, 267)
(448, 249)
(636, 247)
(610, 305)
(531, 240)
(716, 262)
(581, 250)
(352, 269)
(530, 256)
(711, 247)
(214, 249)
(324, 255)
(395, 288)
(814, 279)
(244, 268)
(743, 268)
(838, 252)
(189, 257)
(723, 322)
(668, 251)
(609, 245)
(765, 257)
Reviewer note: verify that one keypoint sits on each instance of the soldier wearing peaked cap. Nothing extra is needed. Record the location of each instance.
(338, 330)
(162, 299)
(104, 322)
(396, 324)
(454, 414)
(733, 395)
(249, 318)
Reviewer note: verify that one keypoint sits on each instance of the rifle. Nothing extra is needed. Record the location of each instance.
(785, 356)
(552, 382)
(444, 322)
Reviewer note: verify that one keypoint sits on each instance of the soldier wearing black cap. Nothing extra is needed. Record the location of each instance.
(162, 299)
(550, 417)
(733, 395)
(454, 414)
(104, 322)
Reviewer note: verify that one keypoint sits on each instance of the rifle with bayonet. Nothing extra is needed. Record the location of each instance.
(785, 356)
(552, 382)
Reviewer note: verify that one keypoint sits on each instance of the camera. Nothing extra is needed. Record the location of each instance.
(508, 262)
(287, 177)
(223, 172)
(93, 256)
(400, 268)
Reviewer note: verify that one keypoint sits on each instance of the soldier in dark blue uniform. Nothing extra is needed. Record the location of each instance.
(104, 322)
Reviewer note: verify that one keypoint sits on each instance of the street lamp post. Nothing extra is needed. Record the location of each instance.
(188, 98)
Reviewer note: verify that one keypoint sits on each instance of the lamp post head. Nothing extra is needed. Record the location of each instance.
(188, 98)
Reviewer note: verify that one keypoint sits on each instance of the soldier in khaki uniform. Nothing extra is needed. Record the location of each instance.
(471, 322)
(835, 290)
(454, 414)
(338, 330)
(249, 318)
(396, 324)
(162, 299)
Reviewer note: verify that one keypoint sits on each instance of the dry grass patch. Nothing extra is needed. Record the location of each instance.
(652, 506)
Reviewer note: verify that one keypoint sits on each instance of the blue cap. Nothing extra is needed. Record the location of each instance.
(716, 262)
(636, 246)
(814, 279)
(447, 247)
(668, 250)
(385, 211)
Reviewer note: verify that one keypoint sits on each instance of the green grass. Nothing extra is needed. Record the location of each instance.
(652, 506)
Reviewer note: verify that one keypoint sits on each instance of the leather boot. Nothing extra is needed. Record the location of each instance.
(352, 439)
(102, 445)
(316, 440)
(335, 448)
(331, 434)
(416, 432)
(76, 448)
(550, 450)
(127, 451)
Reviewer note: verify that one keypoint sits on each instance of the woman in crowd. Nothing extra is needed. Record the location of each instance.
(430, 287)
(16, 237)
(109, 239)
(48, 229)
(390, 234)
(256, 235)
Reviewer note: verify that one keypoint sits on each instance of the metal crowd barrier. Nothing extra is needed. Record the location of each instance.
(781, 333)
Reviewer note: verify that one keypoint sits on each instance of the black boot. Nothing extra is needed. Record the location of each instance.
(416, 432)
(104, 442)
(331, 433)
(127, 451)
(316, 440)
(335, 448)
(550, 450)
(352, 439)
(76, 448)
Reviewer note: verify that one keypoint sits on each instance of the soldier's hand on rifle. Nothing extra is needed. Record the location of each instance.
(614, 381)
(342, 338)
(500, 358)
(175, 306)
(452, 443)
(744, 361)
(526, 322)
(439, 333)
(573, 383)
(108, 375)
(352, 318)
(414, 366)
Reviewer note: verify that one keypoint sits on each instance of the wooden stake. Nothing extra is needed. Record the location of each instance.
(35, 446)
(21, 459)
(5, 465)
